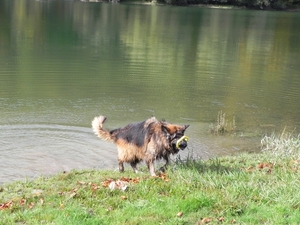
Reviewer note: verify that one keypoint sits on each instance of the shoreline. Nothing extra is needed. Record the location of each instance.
(215, 5)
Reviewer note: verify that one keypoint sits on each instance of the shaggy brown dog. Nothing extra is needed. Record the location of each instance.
(148, 140)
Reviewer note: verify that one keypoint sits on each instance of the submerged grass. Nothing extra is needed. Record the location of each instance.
(223, 125)
(244, 189)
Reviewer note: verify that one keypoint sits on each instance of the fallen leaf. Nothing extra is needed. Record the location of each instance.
(264, 165)
(74, 190)
(130, 180)
(250, 169)
(206, 220)
(163, 176)
(107, 182)
(22, 201)
(123, 197)
(121, 185)
(6, 205)
(221, 219)
(31, 204)
(180, 214)
(95, 187)
(73, 194)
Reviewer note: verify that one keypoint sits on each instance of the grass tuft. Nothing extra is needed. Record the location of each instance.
(223, 125)
(284, 145)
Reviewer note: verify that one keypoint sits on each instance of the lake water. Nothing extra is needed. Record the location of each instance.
(64, 62)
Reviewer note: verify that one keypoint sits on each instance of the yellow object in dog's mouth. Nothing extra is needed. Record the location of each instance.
(183, 138)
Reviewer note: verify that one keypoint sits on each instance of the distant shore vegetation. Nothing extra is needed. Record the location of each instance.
(288, 5)
(251, 4)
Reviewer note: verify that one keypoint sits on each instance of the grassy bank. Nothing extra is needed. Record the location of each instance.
(244, 189)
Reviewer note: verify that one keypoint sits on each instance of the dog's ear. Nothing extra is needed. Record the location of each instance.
(183, 128)
(186, 126)
(165, 129)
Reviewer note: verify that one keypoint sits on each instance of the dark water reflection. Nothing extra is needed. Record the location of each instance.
(63, 62)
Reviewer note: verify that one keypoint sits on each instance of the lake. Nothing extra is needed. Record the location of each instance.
(64, 62)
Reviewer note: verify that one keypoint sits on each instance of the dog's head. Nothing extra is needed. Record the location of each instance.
(175, 136)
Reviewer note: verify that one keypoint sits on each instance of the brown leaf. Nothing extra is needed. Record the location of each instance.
(31, 204)
(95, 187)
(22, 201)
(130, 180)
(125, 179)
(163, 176)
(123, 197)
(265, 165)
(6, 205)
(206, 220)
(106, 183)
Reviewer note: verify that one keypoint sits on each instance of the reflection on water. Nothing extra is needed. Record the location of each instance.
(64, 62)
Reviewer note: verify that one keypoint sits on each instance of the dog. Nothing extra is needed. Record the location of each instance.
(144, 141)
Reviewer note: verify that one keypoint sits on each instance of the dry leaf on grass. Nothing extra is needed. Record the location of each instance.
(180, 214)
(123, 197)
(6, 205)
(119, 184)
(206, 220)
(31, 204)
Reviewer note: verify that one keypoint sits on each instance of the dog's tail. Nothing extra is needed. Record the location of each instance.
(98, 129)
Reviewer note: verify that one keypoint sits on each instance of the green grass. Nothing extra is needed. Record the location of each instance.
(244, 189)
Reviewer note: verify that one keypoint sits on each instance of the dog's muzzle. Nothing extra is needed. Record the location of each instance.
(181, 143)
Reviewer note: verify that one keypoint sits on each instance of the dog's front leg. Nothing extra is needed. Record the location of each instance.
(164, 167)
(151, 168)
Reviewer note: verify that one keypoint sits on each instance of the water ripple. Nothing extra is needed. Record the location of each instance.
(30, 150)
